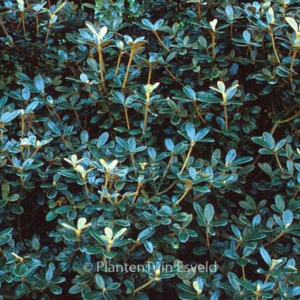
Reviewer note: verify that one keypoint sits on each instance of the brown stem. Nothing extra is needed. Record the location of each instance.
(183, 196)
(135, 245)
(276, 238)
(128, 68)
(118, 63)
(274, 46)
(166, 190)
(3, 27)
(168, 166)
(137, 192)
(126, 117)
(22, 124)
(278, 161)
(107, 178)
(207, 239)
(160, 41)
(37, 24)
(149, 74)
(172, 76)
(102, 66)
(47, 35)
(243, 272)
(231, 30)
(213, 41)
(198, 112)
(199, 10)
(23, 23)
(143, 286)
(225, 110)
(19, 221)
(187, 157)
(291, 67)
(133, 164)
(146, 117)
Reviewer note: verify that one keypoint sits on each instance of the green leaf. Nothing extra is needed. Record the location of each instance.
(146, 233)
(183, 236)
(55, 289)
(49, 274)
(148, 245)
(26, 94)
(39, 83)
(209, 212)
(201, 134)
(265, 255)
(230, 157)
(245, 284)
(51, 215)
(269, 140)
(109, 296)
(93, 296)
(158, 24)
(75, 289)
(279, 204)
(100, 281)
(247, 36)
(189, 92)
(229, 12)
(233, 281)
(260, 141)
(208, 97)
(280, 144)
(236, 231)
(120, 233)
(287, 217)
(9, 116)
(122, 143)
(148, 24)
(96, 235)
(190, 130)
(5, 236)
(169, 144)
(102, 139)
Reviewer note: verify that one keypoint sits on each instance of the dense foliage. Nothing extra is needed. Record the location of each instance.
(156, 133)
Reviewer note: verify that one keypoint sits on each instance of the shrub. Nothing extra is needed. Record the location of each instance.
(153, 151)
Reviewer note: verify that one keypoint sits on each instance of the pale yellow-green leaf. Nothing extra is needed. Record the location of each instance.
(91, 28)
(196, 287)
(81, 222)
(149, 88)
(21, 5)
(59, 8)
(74, 159)
(80, 169)
(215, 89)
(67, 160)
(113, 164)
(120, 233)
(213, 24)
(103, 163)
(108, 232)
(232, 87)
(221, 86)
(271, 14)
(102, 32)
(292, 23)
(68, 226)
(16, 256)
